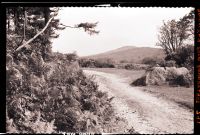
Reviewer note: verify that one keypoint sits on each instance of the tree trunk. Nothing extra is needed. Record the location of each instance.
(46, 17)
(8, 19)
(46, 14)
(15, 19)
(25, 23)
(47, 32)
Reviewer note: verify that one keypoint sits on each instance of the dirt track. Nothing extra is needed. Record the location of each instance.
(146, 113)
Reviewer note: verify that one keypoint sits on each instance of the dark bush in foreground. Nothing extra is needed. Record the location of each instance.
(53, 96)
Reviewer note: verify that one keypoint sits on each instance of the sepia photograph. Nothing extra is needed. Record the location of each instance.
(100, 70)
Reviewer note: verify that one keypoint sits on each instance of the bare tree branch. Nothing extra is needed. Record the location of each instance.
(69, 26)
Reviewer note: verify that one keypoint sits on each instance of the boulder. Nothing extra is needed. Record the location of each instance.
(162, 76)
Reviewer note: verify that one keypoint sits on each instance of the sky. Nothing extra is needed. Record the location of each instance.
(118, 27)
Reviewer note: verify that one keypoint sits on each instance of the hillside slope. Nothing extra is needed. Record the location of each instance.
(130, 54)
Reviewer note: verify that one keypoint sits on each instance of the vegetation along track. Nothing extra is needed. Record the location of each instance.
(144, 112)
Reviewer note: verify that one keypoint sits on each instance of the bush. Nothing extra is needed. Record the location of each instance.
(98, 63)
(170, 63)
(123, 61)
(184, 56)
(51, 97)
(71, 57)
(135, 66)
(181, 80)
(151, 61)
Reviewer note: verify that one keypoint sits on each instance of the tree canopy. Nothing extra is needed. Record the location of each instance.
(175, 34)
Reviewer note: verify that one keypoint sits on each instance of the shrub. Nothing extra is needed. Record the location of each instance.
(123, 61)
(181, 80)
(133, 66)
(151, 61)
(51, 97)
(98, 63)
(71, 57)
(170, 63)
(57, 100)
(184, 56)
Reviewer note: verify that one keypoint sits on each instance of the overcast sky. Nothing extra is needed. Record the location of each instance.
(118, 27)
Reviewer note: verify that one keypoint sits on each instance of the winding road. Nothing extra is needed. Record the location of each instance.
(146, 113)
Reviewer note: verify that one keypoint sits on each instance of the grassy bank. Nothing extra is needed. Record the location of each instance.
(183, 96)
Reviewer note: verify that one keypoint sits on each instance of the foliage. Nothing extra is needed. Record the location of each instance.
(177, 39)
(131, 66)
(89, 27)
(99, 63)
(123, 61)
(47, 92)
(63, 101)
(181, 80)
(184, 56)
(25, 22)
(175, 34)
(170, 63)
(151, 61)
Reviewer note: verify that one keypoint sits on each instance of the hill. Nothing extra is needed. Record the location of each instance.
(130, 54)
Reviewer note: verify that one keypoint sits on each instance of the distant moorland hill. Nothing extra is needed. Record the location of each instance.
(130, 54)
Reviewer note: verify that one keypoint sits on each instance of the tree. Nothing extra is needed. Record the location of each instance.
(37, 25)
(184, 57)
(174, 34)
(53, 103)
(188, 22)
(24, 24)
(88, 27)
